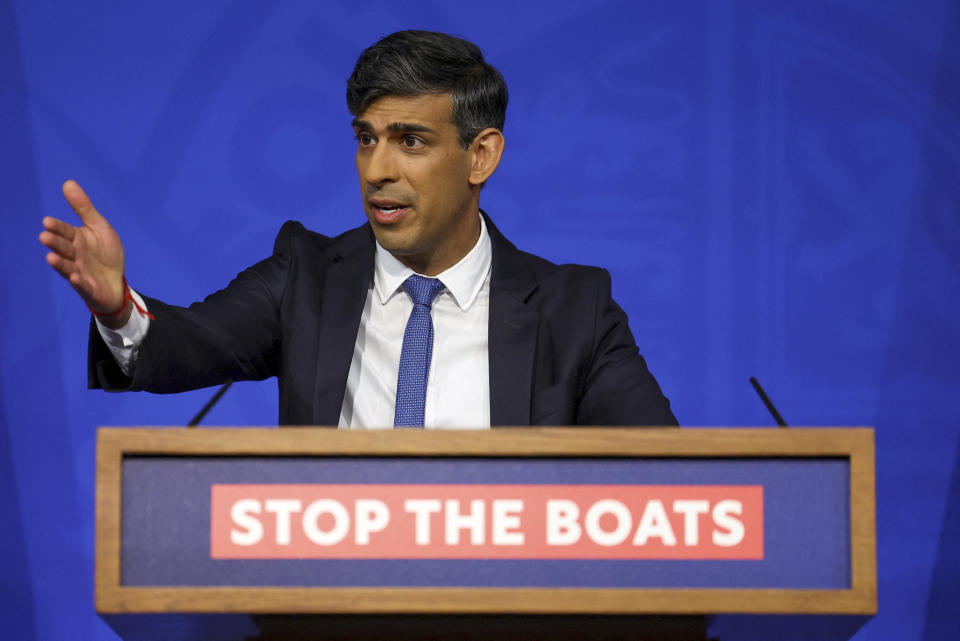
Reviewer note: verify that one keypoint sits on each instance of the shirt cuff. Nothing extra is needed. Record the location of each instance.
(124, 343)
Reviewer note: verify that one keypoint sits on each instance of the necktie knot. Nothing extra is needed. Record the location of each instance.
(422, 289)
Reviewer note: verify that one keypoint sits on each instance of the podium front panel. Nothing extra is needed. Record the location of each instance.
(796, 532)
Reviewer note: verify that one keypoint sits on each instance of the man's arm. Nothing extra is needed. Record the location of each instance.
(232, 334)
(619, 389)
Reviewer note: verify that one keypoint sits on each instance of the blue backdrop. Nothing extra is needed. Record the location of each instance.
(774, 186)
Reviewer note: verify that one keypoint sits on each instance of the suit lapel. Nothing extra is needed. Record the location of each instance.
(345, 283)
(512, 333)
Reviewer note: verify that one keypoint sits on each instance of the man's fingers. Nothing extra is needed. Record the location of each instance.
(59, 227)
(59, 244)
(63, 266)
(68, 269)
(81, 204)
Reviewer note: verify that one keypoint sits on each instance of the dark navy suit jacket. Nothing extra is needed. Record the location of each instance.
(560, 350)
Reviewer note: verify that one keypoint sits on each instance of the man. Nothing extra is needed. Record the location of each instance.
(425, 316)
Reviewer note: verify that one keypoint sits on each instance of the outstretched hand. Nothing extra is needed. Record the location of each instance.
(90, 257)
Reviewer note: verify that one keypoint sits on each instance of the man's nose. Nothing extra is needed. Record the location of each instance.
(382, 166)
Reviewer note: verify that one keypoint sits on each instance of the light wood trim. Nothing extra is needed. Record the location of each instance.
(482, 601)
(107, 514)
(863, 529)
(853, 443)
(525, 441)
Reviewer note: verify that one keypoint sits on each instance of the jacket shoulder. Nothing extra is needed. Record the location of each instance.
(293, 238)
(545, 271)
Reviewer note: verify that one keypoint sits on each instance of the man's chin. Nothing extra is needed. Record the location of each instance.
(394, 240)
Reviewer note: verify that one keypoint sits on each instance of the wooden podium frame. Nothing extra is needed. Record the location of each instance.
(855, 444)
(565, 614)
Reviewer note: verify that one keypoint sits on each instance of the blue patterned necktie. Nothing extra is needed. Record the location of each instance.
(416, 352)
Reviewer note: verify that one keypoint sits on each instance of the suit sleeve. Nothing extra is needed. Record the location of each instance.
(618, 389)
(232, 334)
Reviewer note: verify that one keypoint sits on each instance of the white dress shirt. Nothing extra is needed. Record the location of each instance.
(458, 386)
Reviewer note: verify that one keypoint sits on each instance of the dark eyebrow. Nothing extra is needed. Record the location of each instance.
(408, 127)
(394, 127)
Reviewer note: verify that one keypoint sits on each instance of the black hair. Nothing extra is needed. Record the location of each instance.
(413, 63)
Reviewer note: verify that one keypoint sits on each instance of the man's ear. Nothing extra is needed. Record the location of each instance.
(485, 153)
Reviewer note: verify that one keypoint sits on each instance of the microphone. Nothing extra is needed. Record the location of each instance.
(766, 401)
(209, 406)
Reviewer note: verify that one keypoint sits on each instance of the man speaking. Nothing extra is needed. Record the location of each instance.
(426, 316)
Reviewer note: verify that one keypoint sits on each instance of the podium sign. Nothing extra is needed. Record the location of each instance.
(535, 521)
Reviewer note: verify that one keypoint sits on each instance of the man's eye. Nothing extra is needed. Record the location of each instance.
(364, 139)
(412, 142)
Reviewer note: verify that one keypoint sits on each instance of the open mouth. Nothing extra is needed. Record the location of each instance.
(387, 212)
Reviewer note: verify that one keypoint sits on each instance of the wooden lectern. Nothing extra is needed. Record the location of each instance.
(511, 533)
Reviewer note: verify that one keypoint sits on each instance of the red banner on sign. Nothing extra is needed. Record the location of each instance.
(486, 521)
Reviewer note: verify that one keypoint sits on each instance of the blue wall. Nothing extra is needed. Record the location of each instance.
(774, 186)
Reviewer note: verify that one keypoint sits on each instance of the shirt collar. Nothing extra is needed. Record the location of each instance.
(464, 280)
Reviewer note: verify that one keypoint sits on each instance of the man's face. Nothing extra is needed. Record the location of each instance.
(415, 180)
